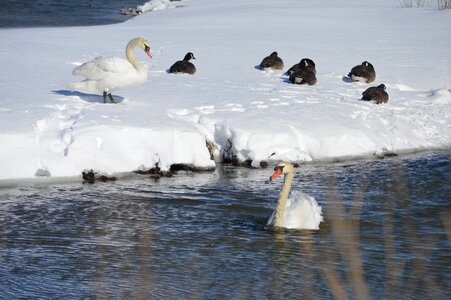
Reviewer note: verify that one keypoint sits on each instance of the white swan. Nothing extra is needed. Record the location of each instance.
(300, 211)
(108, 74)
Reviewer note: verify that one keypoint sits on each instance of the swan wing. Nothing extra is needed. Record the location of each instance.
(301, 212)
(102, 67)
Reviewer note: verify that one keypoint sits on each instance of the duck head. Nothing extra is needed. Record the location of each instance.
(189, 56)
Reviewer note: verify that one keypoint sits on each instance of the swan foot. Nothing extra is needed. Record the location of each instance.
(105, 94)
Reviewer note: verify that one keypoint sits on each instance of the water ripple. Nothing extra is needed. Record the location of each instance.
(204, 235)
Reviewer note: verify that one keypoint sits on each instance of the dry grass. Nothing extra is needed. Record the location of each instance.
(411, 3)
(403, 277)
(444, 4)
(439, 4)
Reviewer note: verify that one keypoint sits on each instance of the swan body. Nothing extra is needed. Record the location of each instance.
(108, 74)
(300, 211)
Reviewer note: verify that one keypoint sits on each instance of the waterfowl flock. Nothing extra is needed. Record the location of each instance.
(104, 75)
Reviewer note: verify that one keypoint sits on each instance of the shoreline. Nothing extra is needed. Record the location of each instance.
(151, 175)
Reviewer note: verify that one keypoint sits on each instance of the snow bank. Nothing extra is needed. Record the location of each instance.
(246, 113)
(148, 6)
(153, 5)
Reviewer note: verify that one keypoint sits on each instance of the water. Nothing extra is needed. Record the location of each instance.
(204, 235)
(38, 13)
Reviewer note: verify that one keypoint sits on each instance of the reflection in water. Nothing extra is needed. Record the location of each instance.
(204, 235)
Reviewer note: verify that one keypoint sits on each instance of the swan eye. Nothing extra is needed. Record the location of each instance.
(278, 168)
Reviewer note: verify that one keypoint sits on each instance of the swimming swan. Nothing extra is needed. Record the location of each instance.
(108, 74)
(300, 211)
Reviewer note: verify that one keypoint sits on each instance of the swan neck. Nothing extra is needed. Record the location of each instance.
(283, 197)
(131, 57)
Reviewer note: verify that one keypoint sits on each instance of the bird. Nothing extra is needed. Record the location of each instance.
(303, 76)
(305, 63)
(300, 211)
(377, 94)
(108, 74)
(272, 62)
(363, 73)
(184, 66)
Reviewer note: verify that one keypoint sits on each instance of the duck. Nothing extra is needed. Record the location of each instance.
(363, 73)
(376, 94)
(303, 76)
(299, 211)
(105, 75)
(305, 63)
(272, 62)
(184, 66)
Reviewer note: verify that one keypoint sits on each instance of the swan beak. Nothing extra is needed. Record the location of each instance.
(147, 50)
(276, 174)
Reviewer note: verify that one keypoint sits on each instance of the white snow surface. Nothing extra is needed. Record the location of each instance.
(49, 130)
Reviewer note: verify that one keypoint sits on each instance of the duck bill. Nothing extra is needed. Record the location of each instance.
(276, 174)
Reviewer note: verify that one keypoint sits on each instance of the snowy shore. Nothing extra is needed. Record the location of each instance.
(247, 113)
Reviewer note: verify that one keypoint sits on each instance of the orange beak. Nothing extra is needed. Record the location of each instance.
(147, 50)
(276, 174)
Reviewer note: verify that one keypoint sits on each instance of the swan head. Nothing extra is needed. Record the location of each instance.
(141, 43)
(282, 168)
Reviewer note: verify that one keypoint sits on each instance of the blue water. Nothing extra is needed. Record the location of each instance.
(204, 235)
(49, 13)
